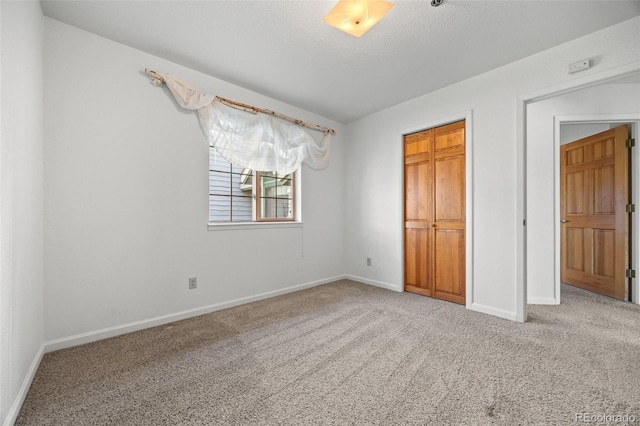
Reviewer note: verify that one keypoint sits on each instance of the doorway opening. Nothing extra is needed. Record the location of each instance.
(565, 128)
(594, 198)
(538, 173)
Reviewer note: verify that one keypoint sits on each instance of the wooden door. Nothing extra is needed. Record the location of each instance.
(594, 191)
(435, 212)
(418, 185)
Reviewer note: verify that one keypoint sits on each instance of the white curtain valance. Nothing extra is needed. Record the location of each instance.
(255, 141)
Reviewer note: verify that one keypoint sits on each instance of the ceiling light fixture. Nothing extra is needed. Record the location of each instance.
(356, 17)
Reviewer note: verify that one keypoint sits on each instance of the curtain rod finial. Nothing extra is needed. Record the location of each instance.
(156, 79)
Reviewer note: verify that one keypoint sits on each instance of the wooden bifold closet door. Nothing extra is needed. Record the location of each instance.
(434, 182)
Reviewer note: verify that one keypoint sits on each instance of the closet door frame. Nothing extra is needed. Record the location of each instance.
(468, 117)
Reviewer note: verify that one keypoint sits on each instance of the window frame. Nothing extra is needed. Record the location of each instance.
(258, 198)
(294, 221)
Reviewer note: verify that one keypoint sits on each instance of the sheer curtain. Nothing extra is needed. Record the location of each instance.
(255, 141)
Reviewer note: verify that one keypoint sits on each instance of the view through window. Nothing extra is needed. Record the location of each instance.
(243, 195)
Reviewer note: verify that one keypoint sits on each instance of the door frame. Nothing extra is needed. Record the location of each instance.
(521, 163)
(468, 153)
(634, 124)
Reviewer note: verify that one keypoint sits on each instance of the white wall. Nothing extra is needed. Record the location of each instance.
(126, 197)
(21, 212)
(603, 100)
(375, 173)
(573, 132)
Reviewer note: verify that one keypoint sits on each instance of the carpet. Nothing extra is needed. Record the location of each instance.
(347, 353)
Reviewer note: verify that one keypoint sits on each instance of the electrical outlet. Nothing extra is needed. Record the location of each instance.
(368, 261)
(193, 283)
(579, 66)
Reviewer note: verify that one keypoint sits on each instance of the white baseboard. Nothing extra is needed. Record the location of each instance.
(105, 333)
(374, 283)
(493, 311)
(473, 306)
(542, 301)
(12, 415)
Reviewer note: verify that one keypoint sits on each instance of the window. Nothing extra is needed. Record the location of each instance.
(244, 195)
(274, 196)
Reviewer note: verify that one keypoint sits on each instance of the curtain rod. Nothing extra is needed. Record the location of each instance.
(255, 109)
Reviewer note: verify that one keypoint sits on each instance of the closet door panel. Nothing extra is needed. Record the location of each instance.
(435, 214)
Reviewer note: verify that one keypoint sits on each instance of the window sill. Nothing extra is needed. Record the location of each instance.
(238, 226)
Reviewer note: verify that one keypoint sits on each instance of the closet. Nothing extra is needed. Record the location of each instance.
(434, 182)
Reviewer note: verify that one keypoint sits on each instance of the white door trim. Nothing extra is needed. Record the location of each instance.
(521, 164)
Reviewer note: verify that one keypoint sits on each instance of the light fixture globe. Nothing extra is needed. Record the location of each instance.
(356, 17)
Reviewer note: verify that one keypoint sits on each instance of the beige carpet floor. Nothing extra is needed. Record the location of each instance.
(347, 353)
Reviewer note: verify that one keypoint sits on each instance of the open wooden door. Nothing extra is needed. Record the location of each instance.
(594, 192)
(435, 214)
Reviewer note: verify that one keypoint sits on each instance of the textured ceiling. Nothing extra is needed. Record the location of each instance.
(283, 49)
